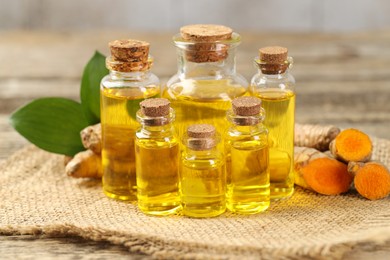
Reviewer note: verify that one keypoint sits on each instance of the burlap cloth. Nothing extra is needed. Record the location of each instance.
(37, 198)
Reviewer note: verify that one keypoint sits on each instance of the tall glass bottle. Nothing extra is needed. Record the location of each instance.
(206, 80)
(247, 171)
(157, 158)
(128, 83)
(275, 86)
(202, 173)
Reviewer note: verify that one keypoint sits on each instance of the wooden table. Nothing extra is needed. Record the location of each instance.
(342, 79)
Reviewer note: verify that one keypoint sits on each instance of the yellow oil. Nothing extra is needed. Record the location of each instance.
(279, 108)
(157, 176)
(202, 102)
(248, 181)
(202, 187)
(118, 108)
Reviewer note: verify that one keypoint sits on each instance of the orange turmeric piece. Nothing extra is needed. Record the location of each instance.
(302, 157)
(372, 179)
(352, 145)
(315, 136)
(320, 173)
(85, 164)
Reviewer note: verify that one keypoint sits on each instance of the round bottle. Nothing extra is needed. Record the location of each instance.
(157, 159)
(129, 82)
(246, 151)
(206, 80)
(202, 173)
(275, 86)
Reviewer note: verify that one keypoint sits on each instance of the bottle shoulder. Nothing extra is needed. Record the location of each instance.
(216, 89)
(156, 141)
(233, 79)
(256, 135)
(194, 159)
(261, 79)
(246, 137)
(148, 80)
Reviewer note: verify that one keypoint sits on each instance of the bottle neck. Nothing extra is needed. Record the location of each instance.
(221, 67)
(247, 129)
(246, 124)
(274, 77)
(130, 76)
(156, 126)
(158, 130)
(208, 153)
(128, 70)
(273, 70)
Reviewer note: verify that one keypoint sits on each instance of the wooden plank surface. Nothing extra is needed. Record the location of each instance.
(308, 15)
(342, 79)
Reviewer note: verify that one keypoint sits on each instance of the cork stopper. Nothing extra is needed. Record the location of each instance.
(273, 59)
(246, 111)
(273, 54)
(129, 55)
(201, 131)
(206, 37)
(205, 32)
(246, 106)
(201, 137)
(129, 50)
(155, 107)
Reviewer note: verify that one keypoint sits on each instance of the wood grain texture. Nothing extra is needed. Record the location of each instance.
(298, 15)
(342, 79)
(31, 247)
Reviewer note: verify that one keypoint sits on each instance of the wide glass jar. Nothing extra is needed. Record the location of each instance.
(206, 81)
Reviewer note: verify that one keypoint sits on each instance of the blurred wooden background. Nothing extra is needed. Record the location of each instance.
(165, 15)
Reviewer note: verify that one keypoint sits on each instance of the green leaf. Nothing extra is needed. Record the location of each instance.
(132, 107)
(52, 124)
(93, 73)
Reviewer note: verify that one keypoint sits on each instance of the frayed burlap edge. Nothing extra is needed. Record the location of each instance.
(163, 249)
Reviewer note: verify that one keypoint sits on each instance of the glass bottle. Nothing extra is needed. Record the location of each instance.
(157, 158)
(128, 83)
(275, 86)
(206, 80)
(246, 151)
(202, 173)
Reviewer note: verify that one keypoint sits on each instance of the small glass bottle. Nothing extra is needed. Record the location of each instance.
(157, 158)
(206, 81)
(275, 86)
(202, 173)
(128, 83)
(247, 171)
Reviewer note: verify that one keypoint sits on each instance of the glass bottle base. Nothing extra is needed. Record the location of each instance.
(120, 196)
(159, 209)
(203, 211)
(248, 208)
(280, 192)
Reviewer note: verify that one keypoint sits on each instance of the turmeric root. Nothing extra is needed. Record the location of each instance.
(302, 156)
(317, 172)
(91, 138)
(85, 164)
(315, 136)
(351, 145)
(372, 179)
